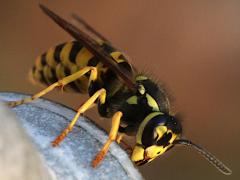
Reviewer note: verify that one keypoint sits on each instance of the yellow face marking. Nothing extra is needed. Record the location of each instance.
(174, 136)
(151, 152)
(143, 124)
(83, 57)
(50, 58)
(152, 103)
(137, 154)
(64, 55)
(132, 100)
(141, 78)
(154, 151)
(159, 131)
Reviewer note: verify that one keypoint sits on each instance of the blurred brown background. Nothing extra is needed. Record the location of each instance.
(192, 46)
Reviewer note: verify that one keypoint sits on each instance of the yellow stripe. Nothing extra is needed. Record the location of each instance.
(132, 100)
(83, 57)
(152, 103)
(115, 55)
(35, 76)
(141, 78)
(50, 58)
(38, 63)
(143, 124)
(64, 55)
(47, 74)
(61, 74)
(60, 71)
(82, 82)
(101, 70)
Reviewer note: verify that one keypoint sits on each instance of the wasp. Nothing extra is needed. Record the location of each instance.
(136, 104)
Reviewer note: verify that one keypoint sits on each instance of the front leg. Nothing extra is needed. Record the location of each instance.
(112, 137)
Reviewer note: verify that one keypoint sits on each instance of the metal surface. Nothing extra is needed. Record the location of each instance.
(44, 120)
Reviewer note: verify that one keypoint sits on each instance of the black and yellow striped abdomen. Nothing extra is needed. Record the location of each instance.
(68, 58)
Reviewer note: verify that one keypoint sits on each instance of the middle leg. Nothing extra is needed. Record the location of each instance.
(101, 94)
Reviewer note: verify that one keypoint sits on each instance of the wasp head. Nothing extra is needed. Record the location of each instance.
(155, 135)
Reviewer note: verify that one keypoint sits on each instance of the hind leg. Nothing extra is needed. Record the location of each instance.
(59, 83)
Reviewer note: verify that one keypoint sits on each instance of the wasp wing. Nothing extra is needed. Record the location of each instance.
(92, 46)
(90, 29)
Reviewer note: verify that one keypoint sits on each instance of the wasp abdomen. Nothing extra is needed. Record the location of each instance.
(68, 58)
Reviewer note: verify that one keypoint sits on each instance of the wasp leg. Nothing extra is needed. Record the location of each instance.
(101, 94)
(112, 137)
(60, 83)
(119, 138)
(126, 147)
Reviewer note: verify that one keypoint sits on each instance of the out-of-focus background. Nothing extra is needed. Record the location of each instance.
(192, 46)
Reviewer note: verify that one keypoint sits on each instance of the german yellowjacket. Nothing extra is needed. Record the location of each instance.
(137, 105)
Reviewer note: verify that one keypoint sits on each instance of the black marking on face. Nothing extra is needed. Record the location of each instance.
(148, 138)
(164, 140)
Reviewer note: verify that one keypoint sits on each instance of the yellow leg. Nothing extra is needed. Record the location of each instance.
(59, 83)
(112, 137)
(127, 147)
(101, 94)
(119, 138)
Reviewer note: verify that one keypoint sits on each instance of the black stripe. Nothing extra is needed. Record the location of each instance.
(67, 71)
(43, 59)
(42, 78)
(109, 49)
(72, 85)
(54, 75)
(126, 66)
(74, 51)
(57, 52)
(93, 61)
(122, 57)
(34, 69)
(108, 78)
